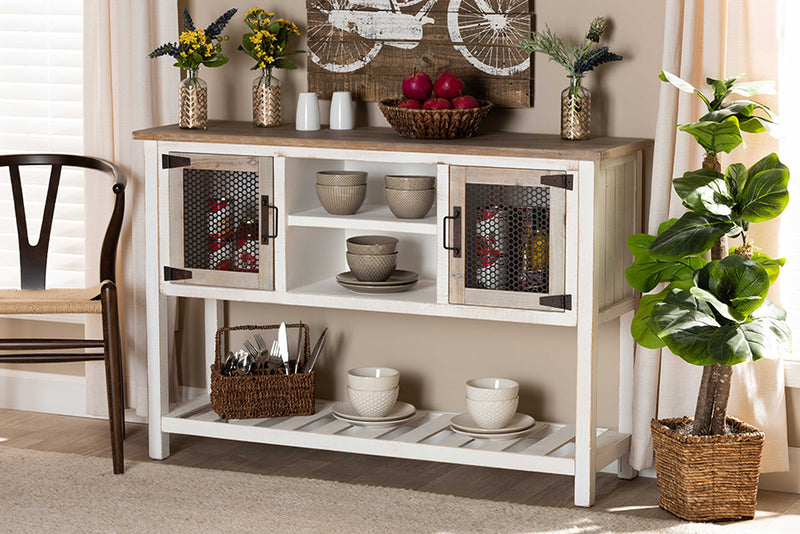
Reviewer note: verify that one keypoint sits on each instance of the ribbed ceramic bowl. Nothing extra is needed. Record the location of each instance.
(409, 182)
(372, 403)
(341, 178)
(373, 378)
(492, 414)
(341, 199)
(407, 204)
(372, 244)
(492, 389)
(372, 267)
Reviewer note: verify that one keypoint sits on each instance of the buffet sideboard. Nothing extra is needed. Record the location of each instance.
(588, 194)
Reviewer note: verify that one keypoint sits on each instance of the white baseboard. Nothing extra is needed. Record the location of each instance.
(788, 481)
(43, 392)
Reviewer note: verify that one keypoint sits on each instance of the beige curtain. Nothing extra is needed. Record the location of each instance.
(709, 38)
(124, 90)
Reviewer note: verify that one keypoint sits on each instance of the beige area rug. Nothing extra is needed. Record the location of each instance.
(45, 492)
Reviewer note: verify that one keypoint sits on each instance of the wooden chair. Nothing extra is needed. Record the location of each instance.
(102, 298)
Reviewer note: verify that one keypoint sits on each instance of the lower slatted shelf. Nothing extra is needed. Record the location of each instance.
(426, 437)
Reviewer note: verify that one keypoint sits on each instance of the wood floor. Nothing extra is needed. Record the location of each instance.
(777, 512)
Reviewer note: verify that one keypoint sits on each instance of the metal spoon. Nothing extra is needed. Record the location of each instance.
(244, 362)
(229, 367)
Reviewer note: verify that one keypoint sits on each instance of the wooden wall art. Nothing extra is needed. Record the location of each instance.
(368, 46)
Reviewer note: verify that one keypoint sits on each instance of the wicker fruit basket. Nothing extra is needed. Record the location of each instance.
(263, 395)
(707, 478)
(434, 123)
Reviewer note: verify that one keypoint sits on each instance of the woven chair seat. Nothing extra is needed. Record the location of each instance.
(70, 300)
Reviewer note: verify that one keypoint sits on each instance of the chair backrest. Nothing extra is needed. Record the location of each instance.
(33, 258)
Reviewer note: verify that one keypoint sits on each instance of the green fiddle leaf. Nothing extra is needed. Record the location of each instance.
(715, 137)
(766, 193)
(685, 324)
(693, 233)
(641, 326)
(736, 178)
(639, 244)
(647, 272)
(757, 125)
(740, 283)
(705, 191)
(769, 310)
(772, 266)
(666, 224)
(764, 87)
(681, 84)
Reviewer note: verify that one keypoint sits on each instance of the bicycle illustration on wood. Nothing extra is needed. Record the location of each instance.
(346, 35)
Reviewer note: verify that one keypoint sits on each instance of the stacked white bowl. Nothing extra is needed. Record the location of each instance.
(373, 390)
(492, 402)
(410, 197)
(372, 258)
(341, 192)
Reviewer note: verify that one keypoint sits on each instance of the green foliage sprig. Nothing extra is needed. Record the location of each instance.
(268, 40)
(720, 130)
(197, 47)
(576, 59)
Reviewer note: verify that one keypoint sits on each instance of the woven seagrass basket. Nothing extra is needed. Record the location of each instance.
(434, 123)
(267, 395)
(707, 478)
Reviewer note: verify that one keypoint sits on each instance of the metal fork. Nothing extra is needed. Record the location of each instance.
(275, 361)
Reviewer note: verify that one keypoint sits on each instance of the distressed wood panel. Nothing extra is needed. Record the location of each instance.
(368, 46)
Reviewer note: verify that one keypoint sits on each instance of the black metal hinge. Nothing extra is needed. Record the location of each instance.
(168, 161)
(173, 273)
(563, 302)
(564, 181)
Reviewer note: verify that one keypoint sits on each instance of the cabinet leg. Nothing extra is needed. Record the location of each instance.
(157, 375)
(626, 352)
(212, 320)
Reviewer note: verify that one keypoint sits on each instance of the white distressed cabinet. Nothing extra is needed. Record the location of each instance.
(565, 209)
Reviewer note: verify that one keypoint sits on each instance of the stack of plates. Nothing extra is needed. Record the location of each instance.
(520, 425)
(399, 281)
(400, 413)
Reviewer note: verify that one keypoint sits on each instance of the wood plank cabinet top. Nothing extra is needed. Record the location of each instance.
(498, 144)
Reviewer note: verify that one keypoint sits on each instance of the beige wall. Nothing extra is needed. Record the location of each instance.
(437, 355)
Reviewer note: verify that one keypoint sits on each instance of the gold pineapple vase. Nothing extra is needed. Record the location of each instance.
(194, 102)
(267, 100)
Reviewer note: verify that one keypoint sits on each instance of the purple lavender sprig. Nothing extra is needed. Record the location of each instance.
(594, 58)
(188, 24)
(167, 49)
(216, 27)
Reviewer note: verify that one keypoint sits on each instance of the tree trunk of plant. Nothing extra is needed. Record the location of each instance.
(715, 386)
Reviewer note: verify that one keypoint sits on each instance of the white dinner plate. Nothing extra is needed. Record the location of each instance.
(398, 277)
(465, 422)
(400, 410)
(375, 424)
(501, 435)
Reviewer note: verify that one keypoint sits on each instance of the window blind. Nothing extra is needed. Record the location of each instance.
(41, 110)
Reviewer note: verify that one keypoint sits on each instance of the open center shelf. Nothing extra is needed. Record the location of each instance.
(426, 437)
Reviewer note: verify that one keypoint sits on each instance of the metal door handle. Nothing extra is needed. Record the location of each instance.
(456, 218)
(265, 209)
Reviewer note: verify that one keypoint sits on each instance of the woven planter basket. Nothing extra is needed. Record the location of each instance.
(707, 478)
(434, 123)
(256, 396)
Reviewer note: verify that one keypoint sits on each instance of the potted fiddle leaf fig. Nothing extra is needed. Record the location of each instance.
(713, 313)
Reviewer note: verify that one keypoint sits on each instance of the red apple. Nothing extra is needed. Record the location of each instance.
(437, 102)
(410, 103)
(464, 102)
(448, 85)
(417, 86)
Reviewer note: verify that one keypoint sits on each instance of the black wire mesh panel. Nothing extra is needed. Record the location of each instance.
(507, 245)
(220, 210)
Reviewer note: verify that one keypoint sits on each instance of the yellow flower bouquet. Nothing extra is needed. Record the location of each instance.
(196, 46)
(267, 41)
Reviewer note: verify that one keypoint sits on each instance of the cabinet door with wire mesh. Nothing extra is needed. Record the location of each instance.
(506, 230)
(222, 220)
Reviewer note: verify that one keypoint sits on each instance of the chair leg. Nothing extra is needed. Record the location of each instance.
(114, 382)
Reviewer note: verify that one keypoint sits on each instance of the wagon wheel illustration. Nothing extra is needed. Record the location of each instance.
(477, 27)
(331, 45)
